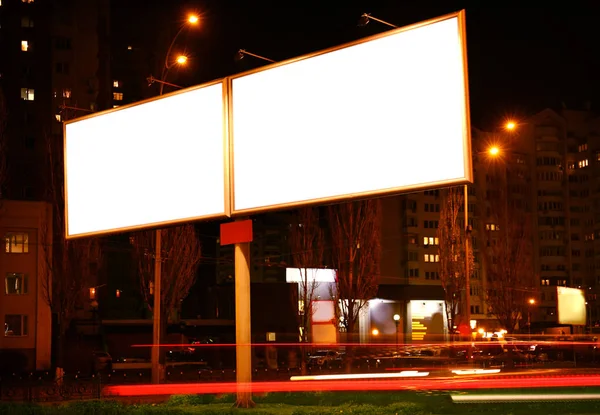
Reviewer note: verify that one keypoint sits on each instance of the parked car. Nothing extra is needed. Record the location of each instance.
(324, 357)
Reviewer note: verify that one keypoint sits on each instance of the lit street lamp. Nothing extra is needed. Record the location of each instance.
(191, 20)
(494, 152)
(397, 322)
(510, 126)
(156, 309)
(531, 304)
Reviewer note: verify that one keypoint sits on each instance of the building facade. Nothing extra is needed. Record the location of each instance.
(24, 309)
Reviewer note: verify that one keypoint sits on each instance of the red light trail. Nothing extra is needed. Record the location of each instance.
(518, 382)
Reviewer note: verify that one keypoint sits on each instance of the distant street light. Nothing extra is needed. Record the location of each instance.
(242, 53)
(365, 18)
(397, 322)
(510, 126)
(494, 152)
(531, 304)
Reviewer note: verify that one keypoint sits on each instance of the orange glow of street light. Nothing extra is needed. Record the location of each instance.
(531, 301)
(181, 59)
(193, 19)
(510, 125)
(494, 151)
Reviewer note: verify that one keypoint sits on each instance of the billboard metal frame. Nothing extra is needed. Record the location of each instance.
(228, 139)
(468, 168)
(226, 165)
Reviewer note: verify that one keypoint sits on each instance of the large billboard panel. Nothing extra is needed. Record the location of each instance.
(571, 306)
(384, 115)
(158, 162)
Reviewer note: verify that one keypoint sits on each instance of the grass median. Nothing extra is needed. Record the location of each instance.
(325, 403)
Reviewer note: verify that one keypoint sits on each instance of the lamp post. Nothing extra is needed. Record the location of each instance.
(156, 308)
(397, 322)
(493, 152)
(181, 59)
(531, 304)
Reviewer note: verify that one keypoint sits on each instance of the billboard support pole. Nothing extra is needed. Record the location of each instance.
(243, 337)
(156, 369)
(239, 234)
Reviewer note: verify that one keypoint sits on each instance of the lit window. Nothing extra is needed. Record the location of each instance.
(66, 93)
(491, 227)
(24, 45)
(430, 240)
(117, 84)
(583, 163)
(15, 284)
(27, 1)
(129, 47)
(27, 94)
(15, 325)
(116, 106)
(16, 243)
(431, 258)
(118, 96)
(58, 117)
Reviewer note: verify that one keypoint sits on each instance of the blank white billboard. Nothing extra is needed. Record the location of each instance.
(386, 115)
(153, 163)
(571, 306)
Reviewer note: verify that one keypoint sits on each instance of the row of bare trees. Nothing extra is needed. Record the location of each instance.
(506, 251)
(353, 241)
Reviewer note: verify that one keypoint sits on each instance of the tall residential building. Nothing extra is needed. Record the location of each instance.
(551, 164)
(24, 310)
(54, 66)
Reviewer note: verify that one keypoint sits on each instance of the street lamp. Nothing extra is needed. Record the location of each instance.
(365, 18)
(531, 304)
(494, 152)
(192, 19)
(397, 322)
(510, 126)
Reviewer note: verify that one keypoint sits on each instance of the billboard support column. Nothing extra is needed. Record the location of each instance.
(239, 234)
(243, 337)
(156, 329)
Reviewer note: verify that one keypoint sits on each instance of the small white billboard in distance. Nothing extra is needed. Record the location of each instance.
(571, 306)
(384, 115)
(152, 163)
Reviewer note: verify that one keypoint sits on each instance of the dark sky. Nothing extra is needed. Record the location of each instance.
(521, 59)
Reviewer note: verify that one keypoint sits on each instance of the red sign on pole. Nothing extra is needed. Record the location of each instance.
(236, 232)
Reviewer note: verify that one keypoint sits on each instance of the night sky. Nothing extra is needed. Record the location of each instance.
(521, 59)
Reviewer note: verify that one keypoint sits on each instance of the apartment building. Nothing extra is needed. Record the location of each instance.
(24, 310)
(54, 66)
(550, 165)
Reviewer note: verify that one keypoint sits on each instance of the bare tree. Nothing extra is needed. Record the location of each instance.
(508, 258)
(307, 246)
(69, 264)
(355, 229)
(452, 255)
(181, 256)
